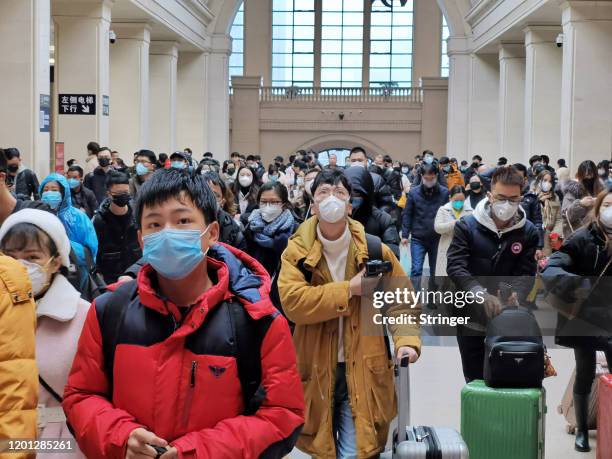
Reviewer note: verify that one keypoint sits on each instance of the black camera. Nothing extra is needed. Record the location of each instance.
(376, 267)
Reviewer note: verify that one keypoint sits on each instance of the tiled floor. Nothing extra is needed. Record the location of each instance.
(436, 382)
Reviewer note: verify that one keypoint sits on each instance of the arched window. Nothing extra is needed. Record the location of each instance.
(236, 61)
(445, 67)
(342, 155)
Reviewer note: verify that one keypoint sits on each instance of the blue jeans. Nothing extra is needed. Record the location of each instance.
(343, 424)
(418, 250)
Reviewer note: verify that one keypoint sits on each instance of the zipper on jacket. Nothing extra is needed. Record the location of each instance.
(190, 391)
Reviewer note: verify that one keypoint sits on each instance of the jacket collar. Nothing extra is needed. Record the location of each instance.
(482, 214)
(60, 302)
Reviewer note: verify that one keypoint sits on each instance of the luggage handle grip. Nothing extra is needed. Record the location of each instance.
(403, 398)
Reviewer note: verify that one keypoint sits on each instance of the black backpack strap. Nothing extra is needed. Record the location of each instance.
(374, 247)
(49, 389)
(116, 305)
(249, 335)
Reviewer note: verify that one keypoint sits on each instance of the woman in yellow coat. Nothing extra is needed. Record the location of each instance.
(18, 373)
(347, 373)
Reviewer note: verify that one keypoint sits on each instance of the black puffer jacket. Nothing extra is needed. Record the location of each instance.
(230, 231)
(573, 272)
(533, 211)
(96, 182)
(480, 256)
(382, 192)
(375, 221)
(394, 182)
(118, 247)
(422, 206)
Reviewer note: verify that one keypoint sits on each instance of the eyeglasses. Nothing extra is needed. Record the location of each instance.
(143, 161)
(324, 192)
(514, 200)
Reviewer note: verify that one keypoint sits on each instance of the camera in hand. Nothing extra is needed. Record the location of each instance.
(376, 267)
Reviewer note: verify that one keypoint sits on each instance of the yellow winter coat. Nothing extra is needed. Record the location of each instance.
(315, 308)
(18, 373)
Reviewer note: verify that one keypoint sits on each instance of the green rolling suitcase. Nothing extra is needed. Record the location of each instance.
(503, 423)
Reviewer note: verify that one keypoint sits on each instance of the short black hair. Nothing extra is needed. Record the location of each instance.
(477, 157)
(502, 161)
(444, 160)
(356, 150)
(534, 158)
(235, 154)
(2, 161)
(300, 164)
(521, 168)
(71, 162)
(387, 159)
(163, 157)
(93, 147)
(11, 153)
(561, 162)
(257, 157)
(250, 158)
(166, 184)
(103, 149)
(464, 163)
(116, 178)
(273, 169)
(208, 154)
(278, 188)
(429, 169)
(149, 154)
(76, 168)
(545, 159)
(428, 152)
(331, 177)
(507, 175)
(456, 190)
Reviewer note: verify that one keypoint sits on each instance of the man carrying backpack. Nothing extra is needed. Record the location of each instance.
(191, 359)
(495, 244)
(347, 374)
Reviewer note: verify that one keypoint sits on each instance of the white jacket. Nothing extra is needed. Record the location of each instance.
(444, 225)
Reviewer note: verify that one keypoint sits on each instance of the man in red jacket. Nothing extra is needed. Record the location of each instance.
(191, 359)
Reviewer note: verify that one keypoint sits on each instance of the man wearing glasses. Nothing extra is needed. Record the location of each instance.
(495, 244)
(144, 166)
(347, 376)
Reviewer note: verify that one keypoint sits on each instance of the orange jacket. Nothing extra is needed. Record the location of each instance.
(454, 177)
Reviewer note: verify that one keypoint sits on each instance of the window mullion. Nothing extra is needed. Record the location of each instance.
(317, 42)
(365, 71)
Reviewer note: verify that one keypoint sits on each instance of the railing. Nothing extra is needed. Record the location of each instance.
(358, 95)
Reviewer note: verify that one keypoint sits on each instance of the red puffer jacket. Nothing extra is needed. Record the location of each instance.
(179, 377)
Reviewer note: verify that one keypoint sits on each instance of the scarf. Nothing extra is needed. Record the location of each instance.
(264, 232)
(548, 214)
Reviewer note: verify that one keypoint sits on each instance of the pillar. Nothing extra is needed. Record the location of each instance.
(433, 120)
(258, 40)
(192, 104)
(483, 111)
(459, 80)
(82, 68)
(511, 100)
(245, 114)
(163, 58)
(542, 92)
(586, 89)
(129, 88)
(24, 60)
(427, 28)
(218, 96)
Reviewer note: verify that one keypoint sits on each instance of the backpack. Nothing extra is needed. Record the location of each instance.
(249, 337)
(514, 351)
(87, 281)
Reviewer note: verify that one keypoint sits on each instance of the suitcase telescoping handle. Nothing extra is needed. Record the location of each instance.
(403, 399)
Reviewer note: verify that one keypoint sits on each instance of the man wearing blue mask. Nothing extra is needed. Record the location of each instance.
(82, 197)
(179, 160)
(191, 359)
(144, 166)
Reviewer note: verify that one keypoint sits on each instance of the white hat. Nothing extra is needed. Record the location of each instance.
(48, 223)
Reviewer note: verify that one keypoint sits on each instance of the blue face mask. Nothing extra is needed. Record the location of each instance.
(52, 198)
(428, 159)
(174, 253)
(457, 205)
(141, 169)
(178, 165)
(74, 183)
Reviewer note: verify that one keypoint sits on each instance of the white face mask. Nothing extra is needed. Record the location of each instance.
(38, 276)
(359, 164)
(605, 217)
(332, 209)
(504, 210)
(545, 186)
(245, 180)
(269, 212)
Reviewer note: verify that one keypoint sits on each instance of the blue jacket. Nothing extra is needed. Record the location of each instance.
(78, 226)
(420, 212)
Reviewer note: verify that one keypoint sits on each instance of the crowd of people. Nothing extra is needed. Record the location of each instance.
(182, 308)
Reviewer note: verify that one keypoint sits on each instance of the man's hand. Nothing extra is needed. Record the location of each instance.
(355, 284)
(123, 279)
(492, 306)
(407, 351)
(405, 241)
(138, 444)
(587, 201)
(172, 453)
(539, 254)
